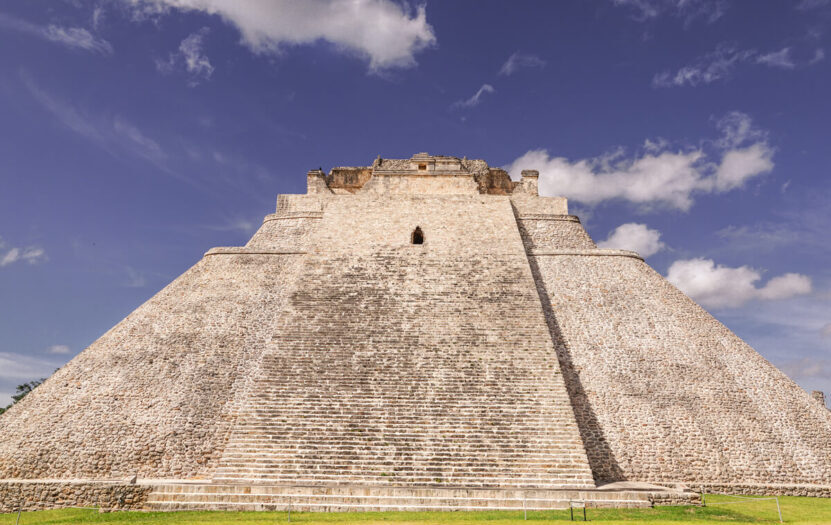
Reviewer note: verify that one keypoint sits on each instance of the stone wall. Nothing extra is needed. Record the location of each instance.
(421, 185)
(763, 489)
(42, 495)
(290, 233)
(552, 232)
(663, 392)
(153, 396)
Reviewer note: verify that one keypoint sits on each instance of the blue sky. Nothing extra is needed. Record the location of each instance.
(137, 134)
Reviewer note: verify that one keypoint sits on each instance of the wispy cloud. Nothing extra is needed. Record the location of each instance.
(721, 64)
(781, 59)
(657, 175)
(707, 69)
(71, 37)
(387, 34)
(476, 98)
(519, 61)
(59, 350)
(20, 367)
(191, 57)
(689, 10)
(114, 134)
(28, 254)
(238, 224)
(807, 368)
(135, 279)
(97, 17)
(812, 4)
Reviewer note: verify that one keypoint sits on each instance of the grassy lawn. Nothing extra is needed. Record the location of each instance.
(794, 510)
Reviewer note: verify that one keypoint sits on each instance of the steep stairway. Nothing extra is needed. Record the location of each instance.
(411, 366)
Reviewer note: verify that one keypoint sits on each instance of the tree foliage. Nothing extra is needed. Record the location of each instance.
(22, 391)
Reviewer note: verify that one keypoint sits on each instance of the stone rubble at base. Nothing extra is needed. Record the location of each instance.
(504, 353)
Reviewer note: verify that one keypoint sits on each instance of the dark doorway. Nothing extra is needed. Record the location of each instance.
(418, 236)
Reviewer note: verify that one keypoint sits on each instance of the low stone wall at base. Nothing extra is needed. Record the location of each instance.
(53, 494)
(758, 489)
(674, 499)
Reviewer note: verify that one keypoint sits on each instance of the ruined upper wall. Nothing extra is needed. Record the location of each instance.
(421, 174)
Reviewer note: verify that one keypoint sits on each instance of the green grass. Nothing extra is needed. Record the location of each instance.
(796, 510)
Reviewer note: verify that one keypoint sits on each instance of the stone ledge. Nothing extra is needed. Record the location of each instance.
(599, 252)
(548, 217)
(293, 215)
(242, 250)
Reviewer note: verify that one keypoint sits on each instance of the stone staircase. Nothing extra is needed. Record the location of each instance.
(373, 498)
(371, 381)
(401, 369)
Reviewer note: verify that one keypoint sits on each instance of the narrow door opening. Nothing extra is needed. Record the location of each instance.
(418, 236)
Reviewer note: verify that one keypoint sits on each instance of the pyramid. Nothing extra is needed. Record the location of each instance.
(420, 333)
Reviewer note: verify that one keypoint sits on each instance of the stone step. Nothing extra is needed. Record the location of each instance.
(394, 490)
(378, 498)
(346, 468)
(443, 454)
(427, 475)
(479, 481)
(374, 505)
(398, 461)
(335, 436)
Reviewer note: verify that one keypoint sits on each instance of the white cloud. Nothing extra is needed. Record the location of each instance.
(28, 254)
(826, 330)
(72, 37)
(785, 286)
(819, 54)
(518, 61)
(668, 178)
(717, 286)
(657, 175)
(781, 59)
(636, 237)
(11, 256)
(738, 165)
(476, 98)
(385, 33)
(58, 350)
(191, 56)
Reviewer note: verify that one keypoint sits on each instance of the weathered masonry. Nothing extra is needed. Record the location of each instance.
(419, 333)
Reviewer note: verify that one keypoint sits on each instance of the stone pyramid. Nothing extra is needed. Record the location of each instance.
(420, 328)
